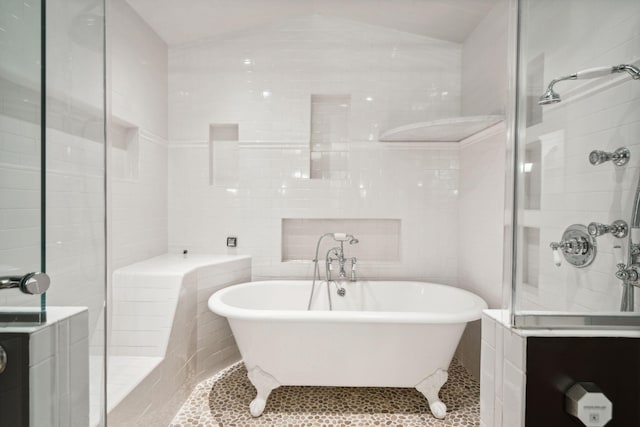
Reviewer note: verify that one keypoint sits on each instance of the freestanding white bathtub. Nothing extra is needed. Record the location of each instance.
(380, 334)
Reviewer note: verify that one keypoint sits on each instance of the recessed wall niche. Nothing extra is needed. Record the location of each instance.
(532, 169)
(330, 136)
(125, 153)
(531, 256)
(223, 154)
(379, 238)
(535, 88)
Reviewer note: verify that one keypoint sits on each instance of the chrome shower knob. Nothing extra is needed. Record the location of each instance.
(577, 246)
(618, 229)
(630, 275)
(620, 157)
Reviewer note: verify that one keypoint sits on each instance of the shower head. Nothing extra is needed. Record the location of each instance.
(353, 241)
(549, 97)
(552, 97)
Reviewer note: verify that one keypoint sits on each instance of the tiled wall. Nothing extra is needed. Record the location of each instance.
(502, 378)
(599, 114)
(165, 339)
(139, 99)
(482, 172)
(264, 81)
(59, 370)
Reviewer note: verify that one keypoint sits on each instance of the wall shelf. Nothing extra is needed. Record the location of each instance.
(453, 129)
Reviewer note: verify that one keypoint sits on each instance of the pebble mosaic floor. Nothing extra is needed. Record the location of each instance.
(223, 401)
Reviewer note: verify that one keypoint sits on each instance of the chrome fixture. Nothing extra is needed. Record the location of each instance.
(354, 261)
(338, 251)
(576, 246)
(620, 157)
(628, 271)
(552, 97)
(618, 229)
(30, 283)
(628, 274)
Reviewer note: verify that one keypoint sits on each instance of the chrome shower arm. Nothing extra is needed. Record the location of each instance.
(551, 97)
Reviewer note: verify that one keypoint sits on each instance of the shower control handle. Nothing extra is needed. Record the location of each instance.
(557, 258)
(618, 229)
(620, 157)
(629, 275)
(577, 247)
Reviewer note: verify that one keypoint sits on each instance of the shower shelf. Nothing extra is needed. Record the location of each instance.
(453, 129)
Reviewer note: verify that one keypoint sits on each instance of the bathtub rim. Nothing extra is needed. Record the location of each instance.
(218, 306)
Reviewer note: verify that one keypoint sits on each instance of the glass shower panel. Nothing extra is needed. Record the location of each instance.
(75, 173)
(559, 192)
(21, 175)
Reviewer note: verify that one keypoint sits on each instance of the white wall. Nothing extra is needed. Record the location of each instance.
(482, 172)
(484, 64)
(601, 114)
(139, 100)
(392, 78)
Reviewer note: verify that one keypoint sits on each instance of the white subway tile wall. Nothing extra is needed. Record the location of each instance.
(139, 100)
(164, 338)
(59, 370)
(482, 171)
(502, 376)
(601, 114)
(264, 80)
(378, 238)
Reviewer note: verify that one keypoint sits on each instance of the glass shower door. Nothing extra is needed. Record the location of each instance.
(21, 159)
(577, 164)
(52, 196)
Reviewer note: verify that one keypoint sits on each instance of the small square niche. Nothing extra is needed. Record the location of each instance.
(223, 132)
(223, 155)
(125, 149)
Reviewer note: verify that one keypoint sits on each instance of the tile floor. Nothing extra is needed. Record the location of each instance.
(223, 401)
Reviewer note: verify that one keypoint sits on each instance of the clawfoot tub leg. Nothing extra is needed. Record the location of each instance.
(264, 384)
(430, 387)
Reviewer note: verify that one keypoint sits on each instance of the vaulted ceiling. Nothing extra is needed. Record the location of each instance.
(184, 21)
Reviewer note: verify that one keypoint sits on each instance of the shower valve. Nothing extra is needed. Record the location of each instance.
(577, 247)
(618, 229)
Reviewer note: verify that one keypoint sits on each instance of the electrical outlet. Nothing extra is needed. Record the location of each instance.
(232, 242)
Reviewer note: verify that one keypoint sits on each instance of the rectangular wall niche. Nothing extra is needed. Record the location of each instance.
(532, 169)
(330, 136)
(531, 256)
(125, 153)
(223, 155)
(379, 238)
